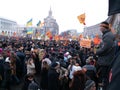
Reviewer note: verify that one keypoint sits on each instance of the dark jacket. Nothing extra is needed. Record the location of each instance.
(26, 84)
(1, 70)
(53, 80)
(106, 50)
(7, 75)
(44, 78)
(33, 86)
(1, 67)
(20, 64)
(114, 75)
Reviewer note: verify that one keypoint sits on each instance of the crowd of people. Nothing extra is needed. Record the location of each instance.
(60, 65)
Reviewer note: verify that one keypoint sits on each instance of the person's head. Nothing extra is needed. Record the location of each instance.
(45, 64)
(29, 77)
(72, 61)
(90, 85)
(78, 80)
(89, 60)
(104, 26)
(1, 57)
(20, 47)
(30, 61)
(55, 65)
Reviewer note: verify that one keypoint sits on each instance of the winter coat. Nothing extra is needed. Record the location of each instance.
(114, 74)
(106, 49)
(20, 64)
(44, 78)
(1, 70)
(53, 80)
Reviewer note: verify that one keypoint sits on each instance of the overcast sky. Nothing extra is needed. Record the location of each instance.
(64, 11)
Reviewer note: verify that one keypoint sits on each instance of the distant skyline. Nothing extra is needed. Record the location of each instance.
(64, 11)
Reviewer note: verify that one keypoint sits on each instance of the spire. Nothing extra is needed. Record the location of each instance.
(50, 12)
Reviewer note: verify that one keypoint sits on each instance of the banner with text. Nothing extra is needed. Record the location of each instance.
(85, 43)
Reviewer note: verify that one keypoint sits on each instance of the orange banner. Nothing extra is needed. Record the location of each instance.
(85, 43)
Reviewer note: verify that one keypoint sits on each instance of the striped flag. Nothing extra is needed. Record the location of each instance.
(39, 23)
(29, 23)
(30, 30)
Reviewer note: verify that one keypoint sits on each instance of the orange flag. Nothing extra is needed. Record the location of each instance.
(56, 37)
(49, 34)
(96, 40)
(81, 18)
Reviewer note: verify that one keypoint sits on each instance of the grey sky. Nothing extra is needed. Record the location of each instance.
(64, 11)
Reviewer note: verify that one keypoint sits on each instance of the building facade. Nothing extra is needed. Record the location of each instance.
(92, 31)
(50, 24)
(7, 27)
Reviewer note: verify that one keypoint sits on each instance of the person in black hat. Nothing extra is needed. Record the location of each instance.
(53, 77)
(105, 53)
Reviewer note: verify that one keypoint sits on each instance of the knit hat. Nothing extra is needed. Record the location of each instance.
(88, 84)
(104, 24)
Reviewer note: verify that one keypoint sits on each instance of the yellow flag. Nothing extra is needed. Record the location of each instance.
(29, 23)
(81, 18)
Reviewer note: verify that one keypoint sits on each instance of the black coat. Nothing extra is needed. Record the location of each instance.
(20, 64)
(1, 68)
(53, 80)
(114, 78)
(106, 50)
(44, 78)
